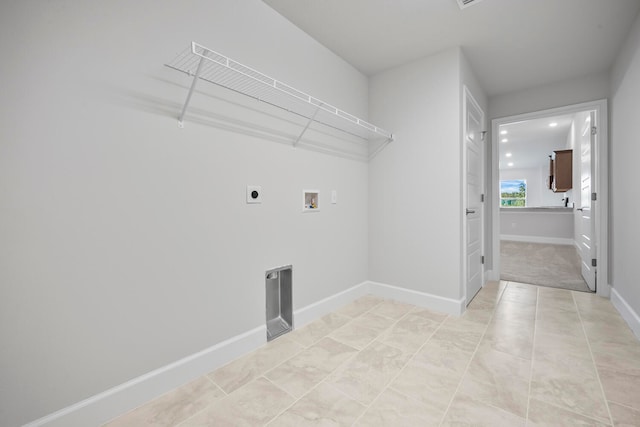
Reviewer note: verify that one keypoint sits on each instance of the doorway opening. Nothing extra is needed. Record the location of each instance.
(549, 216)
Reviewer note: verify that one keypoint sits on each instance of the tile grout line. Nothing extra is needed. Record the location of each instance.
(351, 317)
(453, 396)
(323, 381)
(207, 406)
(206, 376)
(215, 383)
(376, 339)
(210, 380)
(593, 360)
(388, 385)
(533, 351)
(564, 408)
(571, 411)
(625, 405)
(252, 353)
(226, 395)
(263, 375)
(296, 400)
(413, 356)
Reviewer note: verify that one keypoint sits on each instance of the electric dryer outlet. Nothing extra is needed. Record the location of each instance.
(254, 194)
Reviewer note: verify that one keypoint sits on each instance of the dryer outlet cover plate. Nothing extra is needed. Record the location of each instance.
(254, 194)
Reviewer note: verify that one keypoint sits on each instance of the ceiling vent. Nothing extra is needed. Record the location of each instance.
(466, 3)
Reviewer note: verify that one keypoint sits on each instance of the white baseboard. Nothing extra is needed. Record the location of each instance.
(489, 275)
(118, 400)
(627, 313)
(318, 309)
(102, 407)
(538, 239)
(421, 299)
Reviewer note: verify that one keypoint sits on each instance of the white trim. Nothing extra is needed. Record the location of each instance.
(105, 406)
(601, 184)
(102, 407)
(538, 239)
(325, 306)
(421, 299)
(627, 313)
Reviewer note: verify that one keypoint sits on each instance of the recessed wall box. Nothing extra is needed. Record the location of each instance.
(310, 200)
(279, 305)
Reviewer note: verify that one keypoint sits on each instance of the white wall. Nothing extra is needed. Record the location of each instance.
(541, 226)
(415, 205)
(414, 184)
(468, 78)
(125, 242)
(566, 92)
(625, 152)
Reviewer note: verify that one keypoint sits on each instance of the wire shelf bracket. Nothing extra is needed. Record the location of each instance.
(205, 64)
(306, 127)
(191, 89)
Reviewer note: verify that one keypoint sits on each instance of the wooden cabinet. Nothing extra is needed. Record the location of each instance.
(561, 171)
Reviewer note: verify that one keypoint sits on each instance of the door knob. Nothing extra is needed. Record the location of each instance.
(470, 211)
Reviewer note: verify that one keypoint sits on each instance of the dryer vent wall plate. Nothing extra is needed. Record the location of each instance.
(254, 194)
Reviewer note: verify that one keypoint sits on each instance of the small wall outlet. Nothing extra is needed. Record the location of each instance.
(254, 194)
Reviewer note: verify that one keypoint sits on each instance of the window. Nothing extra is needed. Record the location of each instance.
(513, 193)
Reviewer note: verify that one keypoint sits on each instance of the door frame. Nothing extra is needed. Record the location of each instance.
(468, 98)
(601, 157)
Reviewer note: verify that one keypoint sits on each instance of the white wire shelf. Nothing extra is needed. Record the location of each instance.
(205, 64)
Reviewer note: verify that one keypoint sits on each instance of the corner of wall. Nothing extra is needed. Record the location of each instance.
(626, 311)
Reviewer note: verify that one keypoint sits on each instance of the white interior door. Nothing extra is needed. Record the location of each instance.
(473, 142)
(585, 212)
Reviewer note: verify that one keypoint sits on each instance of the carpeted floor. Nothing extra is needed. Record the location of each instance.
(556, 266)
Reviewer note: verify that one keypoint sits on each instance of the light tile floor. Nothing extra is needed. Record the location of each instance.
(520, 355)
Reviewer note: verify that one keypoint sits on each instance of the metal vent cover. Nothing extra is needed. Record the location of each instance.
(466, 3)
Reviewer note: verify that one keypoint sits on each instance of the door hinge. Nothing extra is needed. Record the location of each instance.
(594, 130)
(482, 197)
(594, 262)
(482, 259)
(594, 196)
